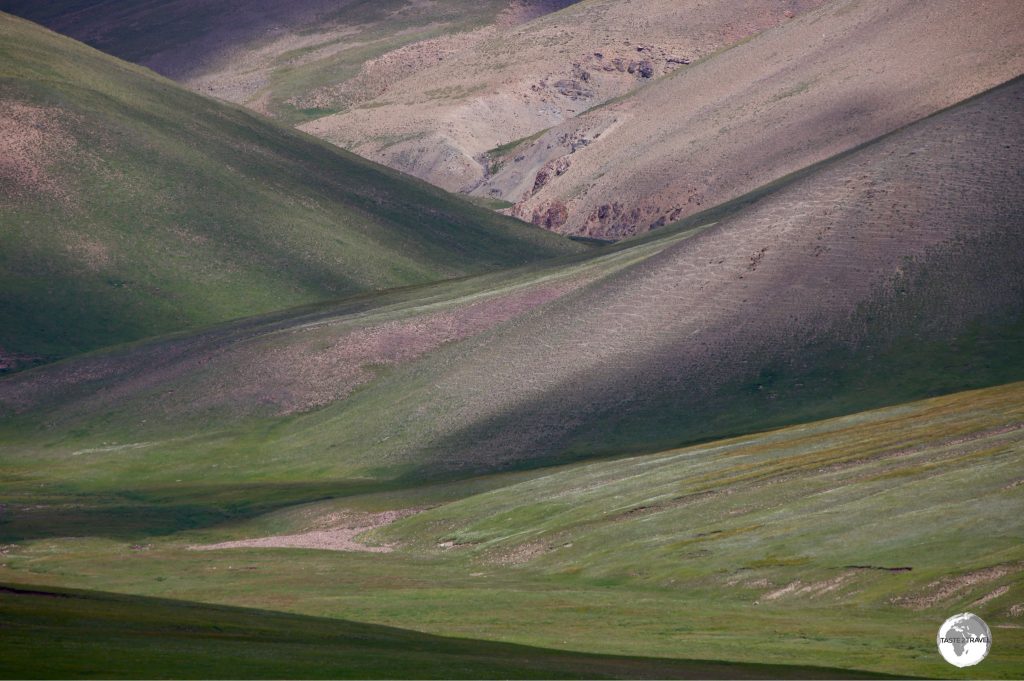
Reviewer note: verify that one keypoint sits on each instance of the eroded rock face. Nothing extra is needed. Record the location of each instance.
(551, 169)
(551, 216)
(612, 221)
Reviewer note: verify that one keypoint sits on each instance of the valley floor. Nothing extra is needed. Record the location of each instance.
(841, 543)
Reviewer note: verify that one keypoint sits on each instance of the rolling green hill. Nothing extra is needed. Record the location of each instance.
(131, 207)
(116, 636)
(311, 418)
(841, 542)
(887, 274)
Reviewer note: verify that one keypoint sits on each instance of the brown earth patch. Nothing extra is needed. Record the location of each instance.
(339, 538)
(809, 589)
(518, 555)
(944, 589)
(991, 595)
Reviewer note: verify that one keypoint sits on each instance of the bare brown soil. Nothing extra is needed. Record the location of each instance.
(991, 596)
(800, 589)
(944, 589)
(518, 555)
(341, 535)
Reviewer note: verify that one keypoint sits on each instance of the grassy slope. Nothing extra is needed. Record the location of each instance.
(56, 633)
(131, 207)
(860, 284)
(887, 488)
(738, 550)
(881, 286)
(231, 387)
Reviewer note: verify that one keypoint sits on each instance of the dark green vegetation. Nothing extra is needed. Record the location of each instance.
(130, 207)
(59, 633)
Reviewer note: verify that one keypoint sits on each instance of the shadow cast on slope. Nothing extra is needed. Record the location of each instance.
(134, 515)
(118, 636)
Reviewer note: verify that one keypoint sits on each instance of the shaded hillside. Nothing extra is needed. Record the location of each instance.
(887, 274)
(130, 206)
(296, 360)
(172, 37)
(117, 636)
(891, 273)
(822, 83)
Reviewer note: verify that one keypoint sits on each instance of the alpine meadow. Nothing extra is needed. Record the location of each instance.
(407, 339)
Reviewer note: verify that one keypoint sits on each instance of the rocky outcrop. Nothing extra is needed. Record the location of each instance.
(550, 215)
(551, 169)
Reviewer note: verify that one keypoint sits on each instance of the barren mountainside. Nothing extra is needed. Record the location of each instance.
(270, 55)
(895, 270)
(437, 118)
(822, 83)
